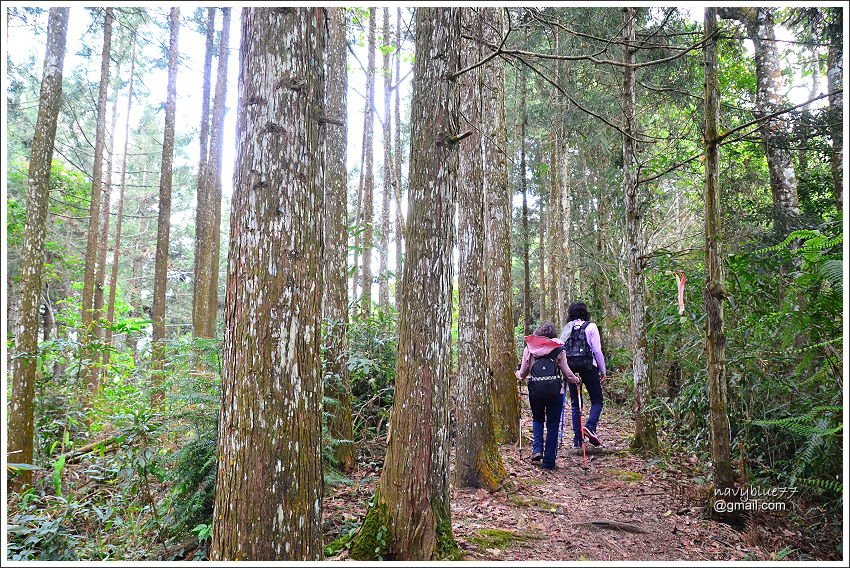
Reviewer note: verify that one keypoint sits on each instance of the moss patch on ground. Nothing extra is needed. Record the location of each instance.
(535, 502)
(501, 539)
(627, 476)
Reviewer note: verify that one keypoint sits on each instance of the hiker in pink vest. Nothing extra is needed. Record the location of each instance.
(544, 359)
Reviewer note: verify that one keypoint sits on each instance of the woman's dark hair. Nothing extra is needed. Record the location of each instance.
(546, 329)
(577, 311)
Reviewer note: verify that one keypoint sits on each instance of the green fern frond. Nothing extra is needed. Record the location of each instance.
(832, 485)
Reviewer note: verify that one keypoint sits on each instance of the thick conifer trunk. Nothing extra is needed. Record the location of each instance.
(478, 462)
(268, 503)
(411, 506)
(21, 413)
(497, 246)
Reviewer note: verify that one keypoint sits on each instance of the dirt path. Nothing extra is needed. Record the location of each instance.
(546, 515)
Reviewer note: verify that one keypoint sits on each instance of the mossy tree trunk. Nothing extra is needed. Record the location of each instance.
(410, 513)
(497, 244)
(163, 231)
(335, 301)
(646, 437)
(268, 503)
(478, 462)
(715, 340)
(21, 414)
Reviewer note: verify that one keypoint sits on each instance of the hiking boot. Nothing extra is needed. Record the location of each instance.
(549, 467)
(576, 444)
(592, 437)
(536, 456)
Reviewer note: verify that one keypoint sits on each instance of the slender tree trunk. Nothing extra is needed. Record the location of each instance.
(523, 185)
(774, 131)
(21, 413)
(204, 211)
(541, 258)
(335, 304)
(478, 462)
(835, 80)
(388, 172)
(89, 376)
(105, 211)
(564, 243)
(410, 515)
(368, 173)
(214, 167)
(497, 244)
(713, 293)
(160, 280)
(399, 215)
(116, 247)
(268, 498)
(646, 438)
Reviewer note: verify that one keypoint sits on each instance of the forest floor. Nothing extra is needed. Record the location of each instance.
(547, 515)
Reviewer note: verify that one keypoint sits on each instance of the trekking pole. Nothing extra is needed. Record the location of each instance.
(581, 425)
(563, 412)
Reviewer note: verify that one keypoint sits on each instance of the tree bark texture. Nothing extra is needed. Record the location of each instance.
(368, 173)
(478, 462)
(646, 438)
(269, 482)
(89, 376)
(411, 508)
(21, 413)
(119, 220)
(335, 300)
(713, 295)
(388, 171)
(204, 212)
(497, 244)
(160, 280)
(769, 99)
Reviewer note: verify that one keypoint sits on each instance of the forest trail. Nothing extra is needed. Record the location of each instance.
(546, 515)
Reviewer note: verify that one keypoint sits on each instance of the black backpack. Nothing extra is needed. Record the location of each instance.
(547, 365)
(579, 355)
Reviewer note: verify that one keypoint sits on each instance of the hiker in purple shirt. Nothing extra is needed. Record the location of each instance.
(584, 355)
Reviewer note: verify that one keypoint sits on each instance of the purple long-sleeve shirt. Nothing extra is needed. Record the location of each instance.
(592, 334)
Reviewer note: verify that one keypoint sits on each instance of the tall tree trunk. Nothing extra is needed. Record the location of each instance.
(269, 437)
(214, 167)
(835, 80)
(368, 173)
(774, 131)
(163, 230)
(388, 171)
(478, 462)
(564, 242)
(399, 215)
(411, 502)
(713, 293)
(523, 185)
(105, 212)
(541, 258)
(335, 301)
(21, 414)
(203, 210)
(89, 376)
(497, 244)
(646, 437)
(116, 247)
